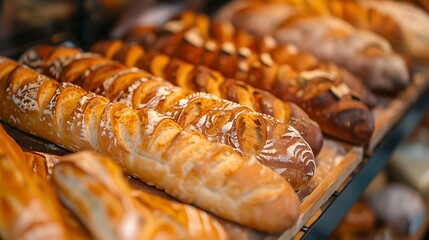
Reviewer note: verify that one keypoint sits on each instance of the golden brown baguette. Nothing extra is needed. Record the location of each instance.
(197, 79)
(148, 146)
(273, 143)
(203, 79)
(121, 213)
(175, 220)
(29, 210)
(329, 39)
(42, 165)
(321, 94)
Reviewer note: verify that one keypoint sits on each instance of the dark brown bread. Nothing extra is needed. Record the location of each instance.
(323, 95)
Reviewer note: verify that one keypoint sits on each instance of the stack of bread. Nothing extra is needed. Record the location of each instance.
(227, 114)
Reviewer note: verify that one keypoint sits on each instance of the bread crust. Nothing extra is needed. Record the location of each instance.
(151, 147)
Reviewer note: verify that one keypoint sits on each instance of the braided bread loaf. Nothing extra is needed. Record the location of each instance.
(249, 133)
(361, 52)
(29, 207)
(148, 146)
(323, 96)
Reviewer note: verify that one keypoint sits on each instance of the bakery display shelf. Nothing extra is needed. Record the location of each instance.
(390, 111)
(347, 159)
(405, 113)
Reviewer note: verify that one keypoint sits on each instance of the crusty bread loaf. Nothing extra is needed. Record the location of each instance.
(404, 25)
(170, 218)
(149, 146)
(29, 209)
(198, 79)
(203, 79)
(120, 213)
(273, 143)
(361, 52)
(326, 99)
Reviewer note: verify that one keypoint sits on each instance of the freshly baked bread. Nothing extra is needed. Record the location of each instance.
(203, 79)
(173, 219)
(148, 146)
(120, 213)
(404, 25)
(29, 209)
(198, 79)
(273, 143)
(330, 39)
(327, 100)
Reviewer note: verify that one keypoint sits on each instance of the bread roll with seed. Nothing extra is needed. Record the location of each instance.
(148, 146)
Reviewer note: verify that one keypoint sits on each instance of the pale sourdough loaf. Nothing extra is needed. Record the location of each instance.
(330, 39)
(150, 147)
(272, 142)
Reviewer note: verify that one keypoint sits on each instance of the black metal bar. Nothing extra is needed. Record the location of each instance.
(326, 223)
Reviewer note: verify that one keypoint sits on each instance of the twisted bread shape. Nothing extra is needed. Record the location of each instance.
(149, 146)
(274, 144)
(323, 96)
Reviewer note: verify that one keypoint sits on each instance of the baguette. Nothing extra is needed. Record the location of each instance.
(30, 209)
(197, 79)
(273, 143)
(361, 52)
(119, 209)
(153, 148)
(171, 218)
(321, 94)
(202, 79)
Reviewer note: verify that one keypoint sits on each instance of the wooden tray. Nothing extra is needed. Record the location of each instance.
(345, 157)
(391, 110)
